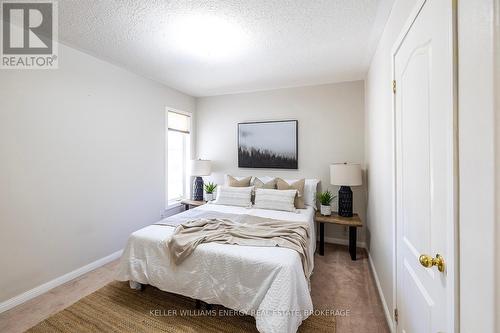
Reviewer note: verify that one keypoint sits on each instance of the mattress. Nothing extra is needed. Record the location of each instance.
(265, 282)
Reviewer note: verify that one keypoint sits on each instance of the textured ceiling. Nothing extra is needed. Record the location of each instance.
(274, 44)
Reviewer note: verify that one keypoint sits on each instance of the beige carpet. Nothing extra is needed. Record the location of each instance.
(117, 308)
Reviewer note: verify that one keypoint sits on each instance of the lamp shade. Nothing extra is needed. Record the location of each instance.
(344, 174)
(200, 168)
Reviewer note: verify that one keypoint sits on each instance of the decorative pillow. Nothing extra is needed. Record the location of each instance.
(258, 183)
(264, 179)
(310, 190)
(275, 199)
(262, 182)
(234, 182)
(234, 196)
(298, 185)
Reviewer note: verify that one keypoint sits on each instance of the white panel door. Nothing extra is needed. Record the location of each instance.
(425, 170)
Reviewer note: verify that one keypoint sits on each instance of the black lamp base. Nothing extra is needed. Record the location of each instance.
(197, 189)
(345, 201)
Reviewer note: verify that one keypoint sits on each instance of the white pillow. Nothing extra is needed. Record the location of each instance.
(275, 199)
(310, 189)
(234, 196)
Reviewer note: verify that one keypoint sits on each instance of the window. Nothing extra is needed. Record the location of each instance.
(178, 152)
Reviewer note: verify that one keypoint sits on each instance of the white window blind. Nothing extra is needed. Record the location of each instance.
(178, 122)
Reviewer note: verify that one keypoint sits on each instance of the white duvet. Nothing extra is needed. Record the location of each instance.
(265, 282)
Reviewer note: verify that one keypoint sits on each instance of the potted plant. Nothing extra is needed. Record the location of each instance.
(325, 199)
(209, 190)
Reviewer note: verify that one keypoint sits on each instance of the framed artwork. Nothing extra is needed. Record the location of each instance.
(268, 144)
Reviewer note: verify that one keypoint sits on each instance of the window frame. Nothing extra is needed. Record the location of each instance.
(173, 203)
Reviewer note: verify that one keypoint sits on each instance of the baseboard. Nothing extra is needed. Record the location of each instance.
(343, 241)
(388, 315)
(37, 291)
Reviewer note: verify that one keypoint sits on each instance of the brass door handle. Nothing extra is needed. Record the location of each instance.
(427, 261)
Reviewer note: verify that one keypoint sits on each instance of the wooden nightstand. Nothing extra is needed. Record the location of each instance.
(353, 223)
(194, 203)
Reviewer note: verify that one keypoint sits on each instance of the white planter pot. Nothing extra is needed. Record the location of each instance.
(326, 210)
(209, 196)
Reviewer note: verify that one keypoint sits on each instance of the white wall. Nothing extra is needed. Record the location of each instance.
(476, 114)
(331, 129)
(81, 165)
(497, 160)
(476, 153)
(379, 155)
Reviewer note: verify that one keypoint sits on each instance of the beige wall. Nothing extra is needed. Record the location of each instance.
(331, 129)
(81, 165)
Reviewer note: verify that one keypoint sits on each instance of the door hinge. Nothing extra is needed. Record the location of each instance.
(394, 86)
(396, 315)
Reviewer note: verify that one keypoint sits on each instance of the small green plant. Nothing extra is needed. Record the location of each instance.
(325, 198)
(210, 187)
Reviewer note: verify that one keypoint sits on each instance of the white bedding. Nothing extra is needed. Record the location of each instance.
(265, 282)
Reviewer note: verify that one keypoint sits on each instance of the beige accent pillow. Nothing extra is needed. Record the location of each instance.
(299, 186)
(260, 184)
(233, 182)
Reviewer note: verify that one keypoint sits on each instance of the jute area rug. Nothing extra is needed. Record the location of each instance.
(117, 308)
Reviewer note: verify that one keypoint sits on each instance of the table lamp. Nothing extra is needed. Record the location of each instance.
(345, 175)
(199, 168)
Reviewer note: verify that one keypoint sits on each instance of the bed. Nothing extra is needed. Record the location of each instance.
(265, 282)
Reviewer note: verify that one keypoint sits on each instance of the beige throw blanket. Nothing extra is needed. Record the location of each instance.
(247, 230)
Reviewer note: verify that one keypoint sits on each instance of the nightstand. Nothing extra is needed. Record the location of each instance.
(353, 223)
(192, 203)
